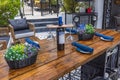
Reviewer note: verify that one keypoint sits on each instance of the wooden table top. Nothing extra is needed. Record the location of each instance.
(57, 26)
(3, 44)
(52, 64)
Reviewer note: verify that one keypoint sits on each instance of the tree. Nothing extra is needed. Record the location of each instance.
(8, 10)
(70, 5)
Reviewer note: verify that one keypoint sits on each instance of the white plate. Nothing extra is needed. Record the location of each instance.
(104, 39)
(82, 51)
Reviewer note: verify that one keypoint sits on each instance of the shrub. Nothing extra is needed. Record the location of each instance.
(70, 5)
(8, 10)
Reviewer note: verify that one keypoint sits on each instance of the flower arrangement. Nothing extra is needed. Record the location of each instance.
(85, 32)
(81, 7)
(20, 52)
(21, 55)
(83, 4)
(88, 28)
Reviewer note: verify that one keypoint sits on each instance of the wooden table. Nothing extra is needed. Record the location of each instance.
(52, 64)
(57, 26)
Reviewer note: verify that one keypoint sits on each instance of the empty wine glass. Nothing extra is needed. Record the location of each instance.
(50, 35)
(70, 38)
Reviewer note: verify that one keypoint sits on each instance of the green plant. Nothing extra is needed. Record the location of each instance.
(53, 2)
(77, 9)
(8, 10)
(20, 52)
(89, 29)
(70, 5)
(83, 4)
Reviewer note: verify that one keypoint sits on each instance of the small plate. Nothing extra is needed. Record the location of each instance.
(104, 39)
(79, 50)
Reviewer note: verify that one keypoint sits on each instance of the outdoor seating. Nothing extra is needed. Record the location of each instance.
(20, 28)
(5, 42)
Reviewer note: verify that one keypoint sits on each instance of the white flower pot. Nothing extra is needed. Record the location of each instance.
(82, 9)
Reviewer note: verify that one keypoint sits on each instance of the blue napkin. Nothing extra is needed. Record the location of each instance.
(29, 41)
(83, 47)
(60, 21)
(110, 38)
(72, 30)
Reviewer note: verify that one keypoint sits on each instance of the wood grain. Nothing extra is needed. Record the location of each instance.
(63, 26)
(3, 44)
(52, 64)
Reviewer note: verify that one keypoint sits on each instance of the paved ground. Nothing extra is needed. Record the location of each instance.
(37, 13)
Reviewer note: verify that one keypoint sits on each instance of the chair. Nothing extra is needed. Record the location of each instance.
(5, 42)
(117, 22)
(20, 28)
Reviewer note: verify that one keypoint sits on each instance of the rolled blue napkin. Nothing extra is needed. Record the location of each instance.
(29, 41)
(60, 21)
(83, 47)
(110, 38)
(72, 30)
(79, 50)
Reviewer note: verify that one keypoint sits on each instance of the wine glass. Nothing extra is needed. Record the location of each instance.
(70, 38)
(50, 35)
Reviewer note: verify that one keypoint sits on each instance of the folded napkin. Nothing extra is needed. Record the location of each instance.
(29, 41)
(110, 38)
(60, 20)
(83, 47)
(79, 50)
(73, 31)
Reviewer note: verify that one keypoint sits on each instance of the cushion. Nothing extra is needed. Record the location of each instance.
(19, 24)
(23, 33)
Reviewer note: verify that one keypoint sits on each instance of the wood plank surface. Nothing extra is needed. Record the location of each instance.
(52, 64)
(57, 26)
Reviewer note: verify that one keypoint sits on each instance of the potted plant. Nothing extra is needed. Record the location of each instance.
(85, 32)
(67, 10)
(82, 6)
(8, 10)
(21, 55)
